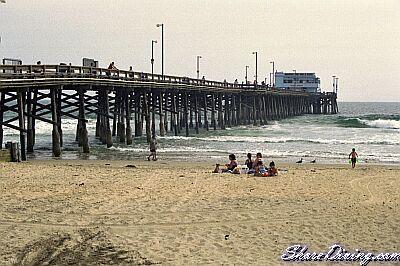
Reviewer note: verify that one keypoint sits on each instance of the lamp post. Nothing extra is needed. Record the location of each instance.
(162, 48)
(2, 2)
(152, 58)
(256, 53)
(198, 66)
(245, 78)
(270, 78)
(336, 84)
(333, 83)
(273, 73)
(295, 79)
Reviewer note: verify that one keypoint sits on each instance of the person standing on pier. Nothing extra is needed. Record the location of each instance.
(112, 66)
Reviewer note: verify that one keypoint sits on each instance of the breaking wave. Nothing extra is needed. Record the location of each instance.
(373, 121)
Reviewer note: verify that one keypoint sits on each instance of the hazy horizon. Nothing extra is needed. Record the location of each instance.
(358, 41)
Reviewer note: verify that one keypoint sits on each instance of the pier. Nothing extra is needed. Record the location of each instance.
(128, 104)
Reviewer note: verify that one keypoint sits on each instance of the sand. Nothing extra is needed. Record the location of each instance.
(88, 212)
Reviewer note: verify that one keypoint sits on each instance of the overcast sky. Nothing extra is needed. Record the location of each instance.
(358, 40)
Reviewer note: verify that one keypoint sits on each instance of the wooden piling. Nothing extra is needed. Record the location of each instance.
(153, 114)
(109, 141)
(146, 109)
(196, 114)
(255, 122)
(213, 121)
(206, 124)
(115, 122)
(120, 105)
(59, 115)
(138, 113)
(128, 106)
(55, 134)
(174, 125)
(221, 123)
(2, 111)
(83, 133)
(29, 132)
(161, 115)
(185, 115)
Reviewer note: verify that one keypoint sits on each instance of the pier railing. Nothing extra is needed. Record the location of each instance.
(8, 72)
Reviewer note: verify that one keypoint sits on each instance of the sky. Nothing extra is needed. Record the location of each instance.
(356, 40)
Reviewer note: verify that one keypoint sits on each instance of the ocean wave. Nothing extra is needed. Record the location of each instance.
(370, 121)
(382, 123)
(259, 139)
(168, 149)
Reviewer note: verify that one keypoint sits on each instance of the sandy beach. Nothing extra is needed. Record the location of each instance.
(87, 212)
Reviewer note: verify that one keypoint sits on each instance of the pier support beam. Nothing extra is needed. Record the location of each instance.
(128, 106)
(160, 104)
(138, 115)
(185, 115)
(55, 133)
(174, 120)
(146, 109)
(2, 111)
(213, 121)
(21, 120)
(83, 133)
(206, 125)
(29, 133)
(196, 114)
(59, 114)
(153, 114)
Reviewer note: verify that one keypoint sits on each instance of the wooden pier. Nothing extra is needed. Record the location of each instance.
(128, 104)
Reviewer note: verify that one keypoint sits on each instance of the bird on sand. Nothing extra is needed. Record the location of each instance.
(313, 161)
(301, 160)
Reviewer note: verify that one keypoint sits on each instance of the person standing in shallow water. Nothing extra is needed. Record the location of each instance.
(153, 148)
(353, 157)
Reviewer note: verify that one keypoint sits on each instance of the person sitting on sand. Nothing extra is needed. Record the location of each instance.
(353, 157)
(258, 158)
(260, 169)
(229, 166)
(272, 171)
(153, 149)
(249, 161)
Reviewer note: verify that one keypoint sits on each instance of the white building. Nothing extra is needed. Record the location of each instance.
(297, 81)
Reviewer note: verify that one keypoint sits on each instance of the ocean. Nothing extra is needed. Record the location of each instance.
(373, 129)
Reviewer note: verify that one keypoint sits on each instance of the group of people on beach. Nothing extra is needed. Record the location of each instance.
(250, 166)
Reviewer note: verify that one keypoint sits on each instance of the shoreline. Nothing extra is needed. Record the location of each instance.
(206, 161)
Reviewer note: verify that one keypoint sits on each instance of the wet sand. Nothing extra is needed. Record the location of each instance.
(86, 212)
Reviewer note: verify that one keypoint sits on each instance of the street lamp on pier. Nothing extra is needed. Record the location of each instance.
(333, 83)
(256, 53)
(162, 48)
(2, 2)
(273, 74)
(152, 58)
(198, 66)
(295, 78)
(336, 84)
(245, 77)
